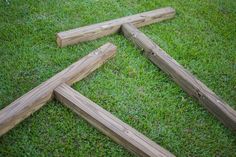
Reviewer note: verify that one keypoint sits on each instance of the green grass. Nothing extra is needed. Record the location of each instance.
(202, 38)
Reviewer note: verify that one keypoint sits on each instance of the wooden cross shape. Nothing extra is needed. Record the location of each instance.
(59, 85)
(179, 74)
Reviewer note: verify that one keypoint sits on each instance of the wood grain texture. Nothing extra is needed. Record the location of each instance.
(37, 97)
(109, 27)
(181, 76)
(119, 131)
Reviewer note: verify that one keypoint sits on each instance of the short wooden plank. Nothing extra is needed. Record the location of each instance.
(37, 97)
(181, 76)
(119, 131)
(95, 31)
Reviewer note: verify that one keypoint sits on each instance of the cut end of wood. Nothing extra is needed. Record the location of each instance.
(107, 49)
(59, 40)
(170, 9)
(109, 46)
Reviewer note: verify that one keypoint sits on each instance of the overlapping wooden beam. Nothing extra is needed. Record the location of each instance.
(97, 116)
(98, 30)
(59, 85)
(24, 106)
(181, 76)
(111, 126)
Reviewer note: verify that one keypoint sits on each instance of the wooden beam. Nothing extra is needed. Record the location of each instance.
(111, 126)
(109, 27)
(181, 76)
(37, 97)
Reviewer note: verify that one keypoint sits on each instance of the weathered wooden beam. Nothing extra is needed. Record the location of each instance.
(181, 76)
(111, 126)
(37, 97)
(109, 27)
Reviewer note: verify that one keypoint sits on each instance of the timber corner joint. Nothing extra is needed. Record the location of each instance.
(30, 102)
(99, 30)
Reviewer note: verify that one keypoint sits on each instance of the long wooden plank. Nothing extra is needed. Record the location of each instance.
(181, 76)
(109, 27)
(119, 131)
(37, 97)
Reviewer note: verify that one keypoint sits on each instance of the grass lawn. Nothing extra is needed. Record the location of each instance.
(202, 37)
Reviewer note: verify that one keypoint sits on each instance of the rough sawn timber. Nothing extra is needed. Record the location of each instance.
(98, 30)
(181, 76)
(30, 102)
(111, 126)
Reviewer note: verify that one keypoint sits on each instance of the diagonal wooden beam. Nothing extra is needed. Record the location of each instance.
(98, 30)
(24, 106)
(181, 76)
(113, 127)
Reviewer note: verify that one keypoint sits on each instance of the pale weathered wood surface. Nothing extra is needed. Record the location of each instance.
(181, 76)
(119, 131)
(37, 97)
(95, 31)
